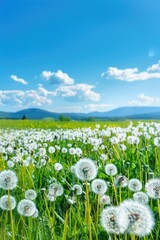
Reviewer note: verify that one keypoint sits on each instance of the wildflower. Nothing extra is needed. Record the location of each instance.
(51, 149)
(140, 197)
(157, 141)
(114, 140)
(153, 188)
(8, 180)
(42, 151)
(78, 151)
(133, 140)
(103, 157)
(122, 147)
(99, 186)
(10, 164)
(110, 169)
(109, 220)
(58, 167)
(120, 181)
(134, 185)
(104, 199)
(7, 203)
(72, 151)
(64, 150)
(30, 194)
(51, 198)
(55, 189)
(42, 162)
(72, 169)
(139, 217)
(26, 208)
(77, 189)
(85, 169)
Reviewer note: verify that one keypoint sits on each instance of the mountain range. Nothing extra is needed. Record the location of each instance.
(118, 113)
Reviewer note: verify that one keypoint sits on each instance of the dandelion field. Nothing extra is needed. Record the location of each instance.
(79, 181)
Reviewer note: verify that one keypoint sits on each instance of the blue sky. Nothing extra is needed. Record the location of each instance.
(79, 56)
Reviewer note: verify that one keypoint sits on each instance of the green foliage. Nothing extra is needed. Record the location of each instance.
(61, 220)
(63, 118)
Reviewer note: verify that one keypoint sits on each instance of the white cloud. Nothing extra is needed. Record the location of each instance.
(81, 91)
(29, 98)
(144, 100)
(59, 75)
(154, 67)
(133, 74)
(47, 74)
(16, 79)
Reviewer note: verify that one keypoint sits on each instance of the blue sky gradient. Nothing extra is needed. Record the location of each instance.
(109, 50)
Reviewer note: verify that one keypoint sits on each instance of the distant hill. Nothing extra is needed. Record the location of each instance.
(118, 113)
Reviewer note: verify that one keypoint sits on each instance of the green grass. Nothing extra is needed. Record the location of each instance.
(49, 124)
(61, 220)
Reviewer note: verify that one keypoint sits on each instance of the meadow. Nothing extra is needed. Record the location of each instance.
(79, 180)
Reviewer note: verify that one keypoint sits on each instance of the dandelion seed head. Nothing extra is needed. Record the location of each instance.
(134, 185)
(30, 194)
(7, 203)
(152, 188)
(86, 169)
(111, 169)
(77, 189)
(139, 217)
(120, 181)
(8, 180)
(26, 208)
(99, 186)
(105, 200)
(109, 220)
(55, 189)
(58, 167)
(140, 197)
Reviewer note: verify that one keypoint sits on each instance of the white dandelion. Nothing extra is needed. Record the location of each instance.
(8, 180)
(30, 194)
(121, 181)
(134, 185)
(77, 189)
(109, 220)
(99, 186)
(139, 217)
(152, 188)
(26, 208)
(55, 189)
(111, 169)
(7, 203)
(85, 169)
(105, 200)
(58, 167)
(140, 197)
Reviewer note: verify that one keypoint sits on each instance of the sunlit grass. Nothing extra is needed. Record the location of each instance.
(80, 219)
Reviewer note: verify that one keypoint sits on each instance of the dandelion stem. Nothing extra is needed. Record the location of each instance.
(11, 216)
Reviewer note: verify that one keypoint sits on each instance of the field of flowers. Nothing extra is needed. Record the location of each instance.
(79, 181)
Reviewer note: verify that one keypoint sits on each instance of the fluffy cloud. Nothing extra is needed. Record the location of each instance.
(29, 98)
(154, 67)
(16, 79)
(42, 97)
(80, 91)
(59, 75)
(144, 100)
(133, 74)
